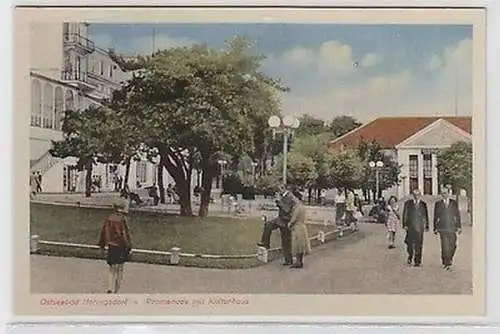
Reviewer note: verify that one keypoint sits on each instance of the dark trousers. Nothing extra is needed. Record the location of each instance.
(414, 244)
(448, 246)
(339, 212)
(156, 199)
(286, 238)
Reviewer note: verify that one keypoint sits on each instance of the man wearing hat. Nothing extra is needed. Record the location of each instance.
(116, 237)
(447, 224)
(285, 203)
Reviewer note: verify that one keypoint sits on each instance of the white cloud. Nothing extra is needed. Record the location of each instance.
(405, 92)
(434, 63)
(299, 56)
(334, 56)
(371, 59)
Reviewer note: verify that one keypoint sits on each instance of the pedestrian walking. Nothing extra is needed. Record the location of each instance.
(33, 184)
(116, 237)
(415, 222)
(300, 239)
(39, 182)
(447, 224)
(393, 219)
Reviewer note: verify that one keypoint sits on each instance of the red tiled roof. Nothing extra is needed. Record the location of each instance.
(391, 131)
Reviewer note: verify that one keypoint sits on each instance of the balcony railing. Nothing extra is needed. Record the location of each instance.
(81, 78)
(80, 41)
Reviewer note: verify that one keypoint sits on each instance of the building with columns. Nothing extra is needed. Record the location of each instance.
(68, 71)
(414, 143)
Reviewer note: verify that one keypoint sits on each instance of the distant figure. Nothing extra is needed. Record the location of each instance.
(339, 206)
(393, 219)
(447, 224)
(415, 222)
(358, 203)
(153, 193)
(33, 184)
(170, 193)
(116, 237)
(39, 182)
(300, 239)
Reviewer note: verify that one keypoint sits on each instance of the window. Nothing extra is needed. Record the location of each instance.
(58, 108)
(69, 100)
(427, 166)
(48, 106)
(111, 71)
(101, 67)
(141, 171)
(36, 103)
(413, 166)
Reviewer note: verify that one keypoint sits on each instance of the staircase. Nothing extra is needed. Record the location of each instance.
(44, 163)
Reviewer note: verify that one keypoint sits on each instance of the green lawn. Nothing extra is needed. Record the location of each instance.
(154, 231)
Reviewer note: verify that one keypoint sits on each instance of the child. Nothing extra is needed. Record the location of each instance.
(115, 235)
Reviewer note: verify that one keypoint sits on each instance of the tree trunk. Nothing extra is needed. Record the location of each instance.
(182, 178)
(88, 179)
(127, 172)
(161, 186)
(309, 195)
(206, 183)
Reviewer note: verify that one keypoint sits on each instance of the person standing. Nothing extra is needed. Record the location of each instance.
(447, 224)
(116, 237)
(340, 206)
(39, 182)
(285, 204)
(300, 239)
(415, 222)
(33, 184)
(392, 220)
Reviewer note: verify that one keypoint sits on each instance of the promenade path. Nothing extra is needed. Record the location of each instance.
(359, 264)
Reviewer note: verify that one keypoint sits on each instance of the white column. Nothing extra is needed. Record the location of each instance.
(420, 172)
(435, 184)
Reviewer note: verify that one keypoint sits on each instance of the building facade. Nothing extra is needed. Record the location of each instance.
(68, 71)
(414, 142)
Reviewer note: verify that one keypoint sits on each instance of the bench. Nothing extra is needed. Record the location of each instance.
(143, 194)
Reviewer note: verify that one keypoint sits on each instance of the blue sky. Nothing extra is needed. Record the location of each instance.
(400, 69)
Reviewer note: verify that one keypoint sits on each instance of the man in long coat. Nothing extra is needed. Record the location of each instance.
(285, 204)
(447, 223)
(415, 222)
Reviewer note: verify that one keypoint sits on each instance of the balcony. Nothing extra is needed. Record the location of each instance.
(79, 79)
(79, 41)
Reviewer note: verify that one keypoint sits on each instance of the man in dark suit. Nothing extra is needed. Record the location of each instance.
(415, 222)
(447, 224)
(285, 204)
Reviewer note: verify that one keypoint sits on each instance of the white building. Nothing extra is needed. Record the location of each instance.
(414, 143)
(68, 71)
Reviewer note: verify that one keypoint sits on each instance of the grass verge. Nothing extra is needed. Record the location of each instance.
(156, 231)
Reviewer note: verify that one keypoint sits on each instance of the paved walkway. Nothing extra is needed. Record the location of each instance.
(357, 265)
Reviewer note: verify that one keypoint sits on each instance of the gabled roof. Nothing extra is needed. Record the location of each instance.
(391, 131)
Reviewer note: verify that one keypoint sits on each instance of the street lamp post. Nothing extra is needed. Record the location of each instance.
(377, 165)
(286, 126)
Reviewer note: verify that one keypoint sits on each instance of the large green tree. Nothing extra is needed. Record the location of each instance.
(388, 174)
(341, 125)
(83, 132)
(455, 166)
(200, 102)
(345, 169)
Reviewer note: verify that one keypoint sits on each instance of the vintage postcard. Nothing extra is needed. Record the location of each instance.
(249, 162)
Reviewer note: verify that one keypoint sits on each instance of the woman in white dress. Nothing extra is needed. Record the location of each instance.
(393, 219)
